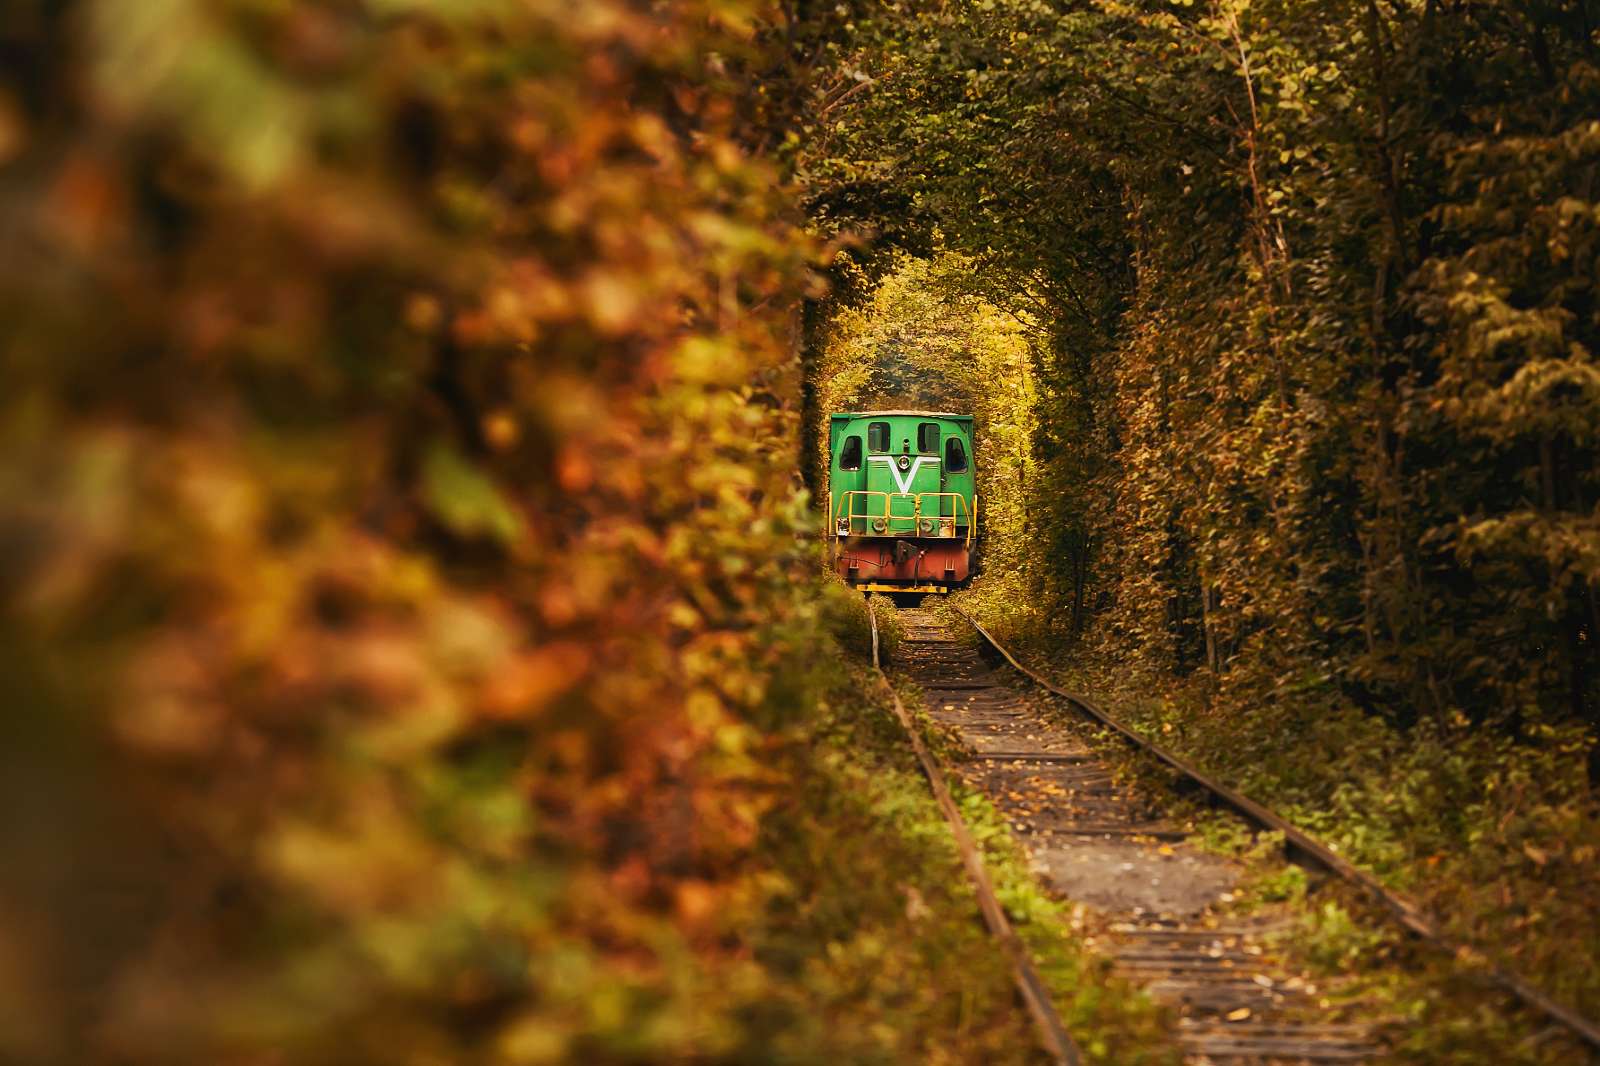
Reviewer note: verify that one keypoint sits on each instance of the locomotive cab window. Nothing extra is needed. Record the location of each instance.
(850, 456)
(955, 456)
(928, 438)
(878, 436)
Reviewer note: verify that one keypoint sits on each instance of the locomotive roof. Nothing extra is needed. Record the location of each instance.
(918, 414)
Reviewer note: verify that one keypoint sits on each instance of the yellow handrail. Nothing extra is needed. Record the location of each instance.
(847, 500)
(847, 509)
(957, 511)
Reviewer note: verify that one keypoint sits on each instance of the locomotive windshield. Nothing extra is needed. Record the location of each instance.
(878, 436)
(928, 438)
(955, 456)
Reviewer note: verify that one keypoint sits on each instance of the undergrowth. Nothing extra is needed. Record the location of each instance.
(869, 869)
(1497, 839)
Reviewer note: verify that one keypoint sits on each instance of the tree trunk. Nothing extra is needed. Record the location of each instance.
(806, 320)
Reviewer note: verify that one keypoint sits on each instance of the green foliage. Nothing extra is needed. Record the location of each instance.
(926, 338)
(891, 630)
(1313, 434)
(1318, 384)
(1288, 885)
(844, 614)
(1334, 941)
(402, 552)
(402, 558)
(873, 923)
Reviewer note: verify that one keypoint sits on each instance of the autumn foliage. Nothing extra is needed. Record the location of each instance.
(398, 516)
(1315, 480)
(407, 602)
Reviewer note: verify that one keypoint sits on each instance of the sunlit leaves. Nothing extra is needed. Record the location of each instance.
(1318, 411)
(401, 446)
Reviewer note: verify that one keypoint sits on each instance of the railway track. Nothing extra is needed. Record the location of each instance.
(1307, 851)
(1107, 846)
(1098, 843)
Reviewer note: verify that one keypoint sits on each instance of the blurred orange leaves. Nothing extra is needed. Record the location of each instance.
(391, 522)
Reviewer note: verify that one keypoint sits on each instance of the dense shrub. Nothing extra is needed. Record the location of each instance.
(398, 530)
(1313, 480)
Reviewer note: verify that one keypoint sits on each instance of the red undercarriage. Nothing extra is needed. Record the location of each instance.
(902, 560)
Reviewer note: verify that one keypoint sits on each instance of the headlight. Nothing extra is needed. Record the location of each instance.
(879, 525)
(928, 526)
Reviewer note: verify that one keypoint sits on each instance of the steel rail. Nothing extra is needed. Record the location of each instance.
(1053, 1034)
(1306, 850)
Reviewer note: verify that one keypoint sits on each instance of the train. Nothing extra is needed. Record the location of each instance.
(902, 500)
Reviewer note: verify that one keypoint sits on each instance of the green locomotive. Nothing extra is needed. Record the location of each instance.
(902, 500)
